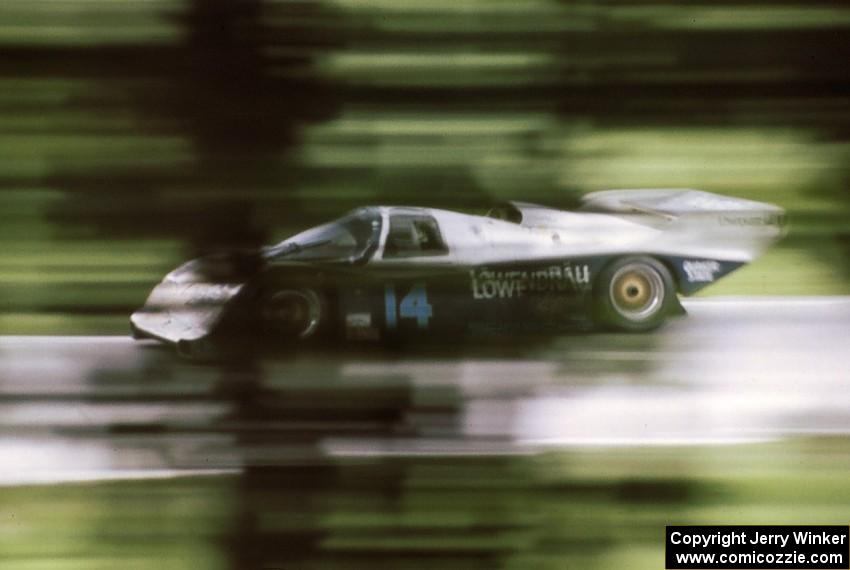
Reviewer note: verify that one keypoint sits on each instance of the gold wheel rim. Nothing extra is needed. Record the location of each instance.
(637, 291)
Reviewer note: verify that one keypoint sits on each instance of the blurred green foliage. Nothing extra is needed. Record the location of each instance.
(136, 134)
(599, 508)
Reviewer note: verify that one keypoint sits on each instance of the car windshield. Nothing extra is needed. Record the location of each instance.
(352, 238)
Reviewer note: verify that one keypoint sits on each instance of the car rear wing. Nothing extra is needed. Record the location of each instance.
(674, 203)
(694, 219)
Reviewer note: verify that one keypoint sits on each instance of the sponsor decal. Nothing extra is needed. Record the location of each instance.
(359, 327)
(751, 220)
(700, 271)
(358, 320)
(489, 284)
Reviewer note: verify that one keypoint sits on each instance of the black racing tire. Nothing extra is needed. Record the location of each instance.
(634, 294)
(297, 313)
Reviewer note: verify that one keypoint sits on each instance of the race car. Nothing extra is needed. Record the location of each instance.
(618, 262)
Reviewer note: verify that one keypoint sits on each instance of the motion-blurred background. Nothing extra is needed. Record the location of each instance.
(135, 134)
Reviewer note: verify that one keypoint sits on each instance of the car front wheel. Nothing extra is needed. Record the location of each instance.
(634, 294)
(293, 313)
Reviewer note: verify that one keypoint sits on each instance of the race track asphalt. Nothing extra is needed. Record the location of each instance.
(734, 371)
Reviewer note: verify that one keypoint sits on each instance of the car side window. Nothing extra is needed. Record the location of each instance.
(413, 235)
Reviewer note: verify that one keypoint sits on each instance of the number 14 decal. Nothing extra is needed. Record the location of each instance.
(414, 305)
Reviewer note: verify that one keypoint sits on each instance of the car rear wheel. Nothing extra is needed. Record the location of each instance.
(293, 313)
(634, 294)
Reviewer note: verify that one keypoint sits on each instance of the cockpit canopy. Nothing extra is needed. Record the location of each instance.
(350, 239)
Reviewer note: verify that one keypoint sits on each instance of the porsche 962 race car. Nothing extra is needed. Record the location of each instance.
(618, 262)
